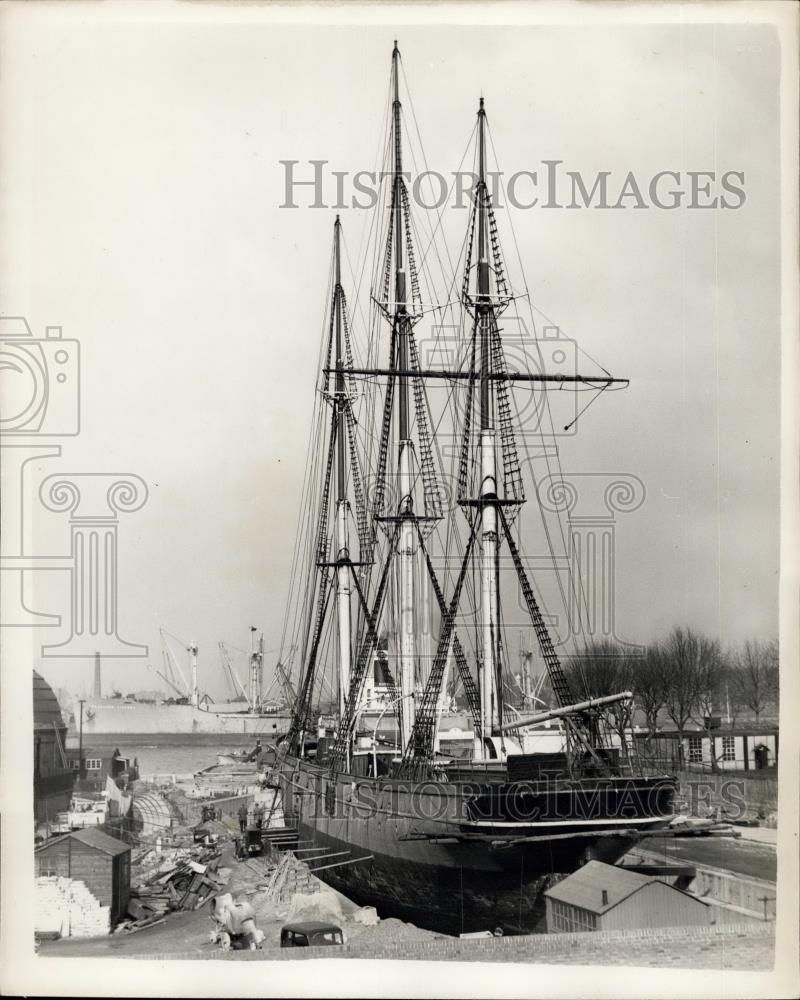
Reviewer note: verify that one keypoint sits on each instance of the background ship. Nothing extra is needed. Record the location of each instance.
(186, 710)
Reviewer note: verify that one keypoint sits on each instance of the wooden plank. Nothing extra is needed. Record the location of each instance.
(148, 923)
(337, 864)
(324, 854)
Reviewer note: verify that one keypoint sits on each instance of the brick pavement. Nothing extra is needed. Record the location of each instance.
(720, 947)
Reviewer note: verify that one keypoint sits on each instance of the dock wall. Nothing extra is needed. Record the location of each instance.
(738, 795)
(740, 893)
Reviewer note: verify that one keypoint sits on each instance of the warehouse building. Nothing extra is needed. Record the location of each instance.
(714, 749)
(599, 897)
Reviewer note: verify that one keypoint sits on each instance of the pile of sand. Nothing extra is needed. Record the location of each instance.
(323, 905)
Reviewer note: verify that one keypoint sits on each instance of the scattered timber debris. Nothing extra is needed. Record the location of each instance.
(191, 880)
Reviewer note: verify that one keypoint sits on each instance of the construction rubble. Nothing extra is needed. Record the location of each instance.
(243, 901)
(180, 879)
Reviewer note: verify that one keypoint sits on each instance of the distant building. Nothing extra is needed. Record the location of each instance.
(599, 897)
(90, 856)
(52, 777)
(99, 765)
(754, 748)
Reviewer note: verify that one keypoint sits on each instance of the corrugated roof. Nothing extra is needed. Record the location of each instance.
(46, 709)
(584, 887)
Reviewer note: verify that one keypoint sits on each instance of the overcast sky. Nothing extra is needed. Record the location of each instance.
(144, 191)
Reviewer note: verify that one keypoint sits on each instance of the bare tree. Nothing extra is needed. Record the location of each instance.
(711, 672)
(755, 675)
(692, 671)
(605, 668)
(598, 671)
(731, 689)
(650, 683)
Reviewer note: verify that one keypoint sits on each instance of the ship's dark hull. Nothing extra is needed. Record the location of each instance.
(443, 856)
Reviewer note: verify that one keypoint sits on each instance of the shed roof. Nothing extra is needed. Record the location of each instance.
(46, 709)
(584, 887)
(103, 753)
(92, 837)
(102, 841)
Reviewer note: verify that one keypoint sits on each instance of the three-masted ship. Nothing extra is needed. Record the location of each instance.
(403, 585)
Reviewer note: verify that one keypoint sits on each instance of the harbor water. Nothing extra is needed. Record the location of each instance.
(168, 753)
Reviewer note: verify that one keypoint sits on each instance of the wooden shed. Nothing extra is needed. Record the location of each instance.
(90, 856)
(599, 897)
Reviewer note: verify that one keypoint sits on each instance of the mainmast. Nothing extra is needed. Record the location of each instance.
(405, 460)
(406, 551)
(342, 504)
(489, 660)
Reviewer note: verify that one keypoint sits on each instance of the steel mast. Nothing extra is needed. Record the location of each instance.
(406, 550)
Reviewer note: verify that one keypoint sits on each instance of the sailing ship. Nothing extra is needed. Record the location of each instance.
(453, 843)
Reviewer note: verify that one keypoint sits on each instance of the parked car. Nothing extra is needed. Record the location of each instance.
(313, 934)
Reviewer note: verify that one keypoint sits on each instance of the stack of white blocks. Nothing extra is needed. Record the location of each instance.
(65, 906)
